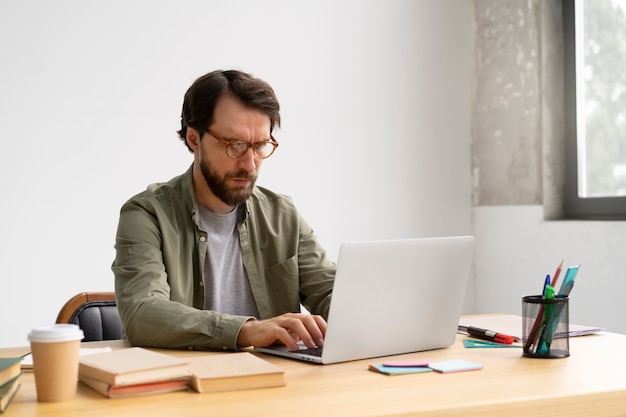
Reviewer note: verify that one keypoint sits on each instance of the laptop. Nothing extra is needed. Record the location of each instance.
(392, 297)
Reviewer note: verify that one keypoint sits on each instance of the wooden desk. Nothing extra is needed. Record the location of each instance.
(592, 381)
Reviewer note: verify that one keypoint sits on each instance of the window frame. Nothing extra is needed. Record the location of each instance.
(576, 207)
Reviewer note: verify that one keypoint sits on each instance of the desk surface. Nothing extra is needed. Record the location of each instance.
(590, 382)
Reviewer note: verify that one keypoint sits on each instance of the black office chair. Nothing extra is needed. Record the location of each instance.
(95, 313)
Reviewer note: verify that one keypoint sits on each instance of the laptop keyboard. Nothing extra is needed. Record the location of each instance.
(316, 351)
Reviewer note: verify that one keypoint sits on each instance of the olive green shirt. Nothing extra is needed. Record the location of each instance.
(160, 251)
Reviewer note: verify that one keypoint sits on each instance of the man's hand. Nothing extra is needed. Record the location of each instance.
(287, 328)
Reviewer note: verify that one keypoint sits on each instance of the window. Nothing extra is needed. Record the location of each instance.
(595, 108)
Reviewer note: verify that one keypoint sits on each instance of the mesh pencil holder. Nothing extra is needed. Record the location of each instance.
(545, 327)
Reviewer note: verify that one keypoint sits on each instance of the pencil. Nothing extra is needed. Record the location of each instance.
(556, 274)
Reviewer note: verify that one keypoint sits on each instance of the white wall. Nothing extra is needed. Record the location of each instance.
(375, 95)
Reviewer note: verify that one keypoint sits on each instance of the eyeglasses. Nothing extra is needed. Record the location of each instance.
(238, 148)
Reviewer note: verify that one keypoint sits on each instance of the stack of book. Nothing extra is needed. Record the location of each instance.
(134, 371)
(10, 371)
(138, 371)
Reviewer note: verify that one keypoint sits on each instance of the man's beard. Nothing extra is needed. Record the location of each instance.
(219, 186)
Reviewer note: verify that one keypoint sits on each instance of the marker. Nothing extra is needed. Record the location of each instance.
(488, 334)
(548, 295)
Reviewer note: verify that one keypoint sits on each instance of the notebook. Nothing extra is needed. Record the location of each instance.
(392, 297)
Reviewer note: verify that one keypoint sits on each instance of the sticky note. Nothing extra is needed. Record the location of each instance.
(410, 363)
(398, 370)
(456, 365)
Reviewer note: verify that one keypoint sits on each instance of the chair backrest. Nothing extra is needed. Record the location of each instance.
(95, 313)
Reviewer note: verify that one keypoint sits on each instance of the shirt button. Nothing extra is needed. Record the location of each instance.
(202, 239)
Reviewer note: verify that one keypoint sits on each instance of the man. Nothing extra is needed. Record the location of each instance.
(208, 260)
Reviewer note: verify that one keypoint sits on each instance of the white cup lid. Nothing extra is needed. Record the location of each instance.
(56, 333)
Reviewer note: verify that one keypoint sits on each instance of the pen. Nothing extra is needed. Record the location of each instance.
(545, 284)
(488, 334)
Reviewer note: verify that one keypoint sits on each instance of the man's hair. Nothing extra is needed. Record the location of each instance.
(201, 97)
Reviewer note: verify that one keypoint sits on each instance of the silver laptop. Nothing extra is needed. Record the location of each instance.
(392, 297)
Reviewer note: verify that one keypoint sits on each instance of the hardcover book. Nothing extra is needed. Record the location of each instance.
(132, 366)
(233, 371)
(9, 369)
(8, 391)
(121, 391)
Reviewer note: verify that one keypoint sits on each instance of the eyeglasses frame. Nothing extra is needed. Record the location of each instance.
(227, 143)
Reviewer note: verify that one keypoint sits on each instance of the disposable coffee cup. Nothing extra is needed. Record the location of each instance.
(55, 352)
